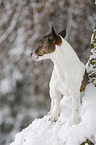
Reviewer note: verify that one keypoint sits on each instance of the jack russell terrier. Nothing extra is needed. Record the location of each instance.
(68, 77)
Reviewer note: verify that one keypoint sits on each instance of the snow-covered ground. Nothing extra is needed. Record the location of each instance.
(44, 132)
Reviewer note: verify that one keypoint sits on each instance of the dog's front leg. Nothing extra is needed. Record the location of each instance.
(55, 103)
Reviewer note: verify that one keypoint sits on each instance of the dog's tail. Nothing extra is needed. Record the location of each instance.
(91, 64)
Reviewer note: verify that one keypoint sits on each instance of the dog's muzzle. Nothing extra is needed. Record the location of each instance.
(34, 56)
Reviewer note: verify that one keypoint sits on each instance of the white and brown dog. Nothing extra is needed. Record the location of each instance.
(68, 76)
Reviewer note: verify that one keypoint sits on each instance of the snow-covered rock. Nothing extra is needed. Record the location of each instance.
(44, 132)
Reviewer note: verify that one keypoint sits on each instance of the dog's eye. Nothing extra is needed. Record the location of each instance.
(39, 55)
(40, 43)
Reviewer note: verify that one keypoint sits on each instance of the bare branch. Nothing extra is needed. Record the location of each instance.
(12, 26)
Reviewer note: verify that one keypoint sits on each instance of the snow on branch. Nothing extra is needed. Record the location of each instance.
(91, 65)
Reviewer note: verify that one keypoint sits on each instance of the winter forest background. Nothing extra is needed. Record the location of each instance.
(24, 82)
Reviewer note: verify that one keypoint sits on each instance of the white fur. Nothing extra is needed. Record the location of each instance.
(66, 79)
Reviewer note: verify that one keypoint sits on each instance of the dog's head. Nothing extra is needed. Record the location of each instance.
(48, 44)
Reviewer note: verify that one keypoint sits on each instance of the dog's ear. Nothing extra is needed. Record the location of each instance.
(53, 36)
(63, 33)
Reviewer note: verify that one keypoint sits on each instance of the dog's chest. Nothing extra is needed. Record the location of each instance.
(59, 80)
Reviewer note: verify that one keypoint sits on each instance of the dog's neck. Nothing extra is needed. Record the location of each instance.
(60, 52)
(60, 56)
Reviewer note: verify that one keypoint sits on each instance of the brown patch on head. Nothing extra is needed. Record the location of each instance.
(47, 44)
(54, 38)
(45, 47)
(63, 33)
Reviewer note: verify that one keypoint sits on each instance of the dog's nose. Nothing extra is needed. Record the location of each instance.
(34, 55)
(31, 54)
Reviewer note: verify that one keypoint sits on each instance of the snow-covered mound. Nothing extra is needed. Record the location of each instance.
(44, 132)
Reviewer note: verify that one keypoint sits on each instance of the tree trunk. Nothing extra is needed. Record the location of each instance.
(91, 65)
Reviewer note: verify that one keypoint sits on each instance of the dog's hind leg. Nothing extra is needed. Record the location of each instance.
(75, 108)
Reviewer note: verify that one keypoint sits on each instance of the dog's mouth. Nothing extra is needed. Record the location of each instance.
(35, 56)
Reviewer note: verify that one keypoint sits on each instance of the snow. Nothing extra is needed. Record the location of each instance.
(9, 83)
(6, 85)
(44, 132)
(17, 75)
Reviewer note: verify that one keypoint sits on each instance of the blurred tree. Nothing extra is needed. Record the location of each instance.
(23, 82)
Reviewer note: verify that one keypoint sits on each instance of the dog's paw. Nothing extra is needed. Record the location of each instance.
(75, 121)
(49, 113)
(53, 117)
(54, 113)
